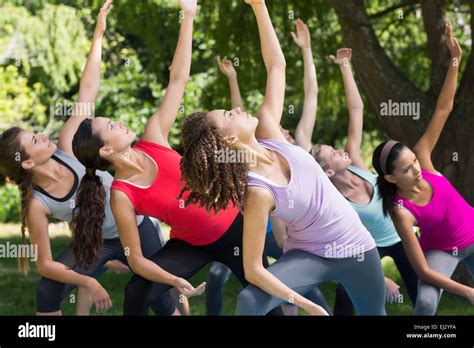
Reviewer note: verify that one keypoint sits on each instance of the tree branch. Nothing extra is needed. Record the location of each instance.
(379, 78)
(434, 18)
(394, 8)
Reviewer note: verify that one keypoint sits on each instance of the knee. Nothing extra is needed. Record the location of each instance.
(247, 302)
(217, 275)
(426, 303)
(48, 296)
(136, 288)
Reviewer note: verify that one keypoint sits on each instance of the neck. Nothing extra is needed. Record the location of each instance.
(345, 180)
(48, 173)
(260, 155)
(408, 192)
(127, 163)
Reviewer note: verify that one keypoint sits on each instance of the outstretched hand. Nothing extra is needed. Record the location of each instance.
(187, 289)
(102, 18)
(189, 7)
(452, 42)
(343, 56)
(226, 67)
(302, 37)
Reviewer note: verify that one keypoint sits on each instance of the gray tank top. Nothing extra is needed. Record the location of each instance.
(61, 209)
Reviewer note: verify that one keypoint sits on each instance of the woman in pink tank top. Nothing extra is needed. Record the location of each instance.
(414, 193)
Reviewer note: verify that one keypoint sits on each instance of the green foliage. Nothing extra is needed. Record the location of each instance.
(20, 103)
(50, 46)
(140, 43)
(9, 203)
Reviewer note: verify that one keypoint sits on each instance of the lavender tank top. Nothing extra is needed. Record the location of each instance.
(319, 218)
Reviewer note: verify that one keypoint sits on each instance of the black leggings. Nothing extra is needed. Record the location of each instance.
(50, 293)
(343, 305)
(185, 260)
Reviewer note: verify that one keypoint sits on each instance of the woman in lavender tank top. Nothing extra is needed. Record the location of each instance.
(223, 160)
(414, 193)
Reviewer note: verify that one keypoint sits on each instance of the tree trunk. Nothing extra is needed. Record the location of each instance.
(381, 81)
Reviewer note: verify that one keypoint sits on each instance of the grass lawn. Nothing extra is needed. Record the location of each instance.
(17, 292)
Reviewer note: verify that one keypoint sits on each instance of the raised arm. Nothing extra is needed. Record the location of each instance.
(257, 206)
(272, 108)
(125, 217)
(227, 68)
(404, 221)
(355, 106)
(89, 85)
(160, 124)
(424, 147)
(37, 222)
(304, 130)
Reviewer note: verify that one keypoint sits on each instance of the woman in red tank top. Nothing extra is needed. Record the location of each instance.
(148, 179)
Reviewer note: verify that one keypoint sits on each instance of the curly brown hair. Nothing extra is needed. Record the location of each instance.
(11, 156)
(212, 183)
(89, 211)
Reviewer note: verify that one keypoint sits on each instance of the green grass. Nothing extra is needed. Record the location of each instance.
(17, 292)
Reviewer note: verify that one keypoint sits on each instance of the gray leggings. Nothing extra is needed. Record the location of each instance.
(429, 295)
(362, 277)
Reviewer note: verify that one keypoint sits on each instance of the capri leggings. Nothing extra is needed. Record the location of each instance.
(185, 260)
(444, 262)
(362, 277)
(50, 293)
(343, 305)
(219, 274)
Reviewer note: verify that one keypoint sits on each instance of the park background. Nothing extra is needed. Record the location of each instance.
(398, 54)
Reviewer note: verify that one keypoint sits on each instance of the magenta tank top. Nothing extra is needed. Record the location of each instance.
(319, 218)
(447, 221)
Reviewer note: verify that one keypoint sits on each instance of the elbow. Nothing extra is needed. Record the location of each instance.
(278, 65)
(356, 109)
(43, 268)
(251, 275)
(424, 274)
(134, 263)
(179, 79)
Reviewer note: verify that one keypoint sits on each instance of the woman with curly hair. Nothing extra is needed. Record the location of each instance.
(232, 157)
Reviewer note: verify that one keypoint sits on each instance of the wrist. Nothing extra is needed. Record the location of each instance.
(89, 282)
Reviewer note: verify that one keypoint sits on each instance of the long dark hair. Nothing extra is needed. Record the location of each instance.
(387, 190)
(11, 156)
(212, 183)
(89, 210)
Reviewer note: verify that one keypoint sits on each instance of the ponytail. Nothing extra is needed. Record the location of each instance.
(87, 220)
(11, 157)
(89, 210)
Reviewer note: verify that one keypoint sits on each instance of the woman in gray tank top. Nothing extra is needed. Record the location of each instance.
(45, 171)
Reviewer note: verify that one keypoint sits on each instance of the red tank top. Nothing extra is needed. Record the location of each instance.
(191, 224)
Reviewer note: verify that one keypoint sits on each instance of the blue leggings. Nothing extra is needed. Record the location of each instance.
(219, 274)
(362, 277)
